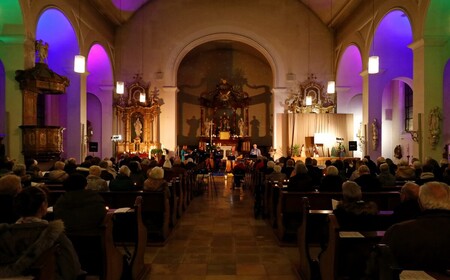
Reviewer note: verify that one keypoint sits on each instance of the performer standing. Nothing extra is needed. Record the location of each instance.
(255, 151)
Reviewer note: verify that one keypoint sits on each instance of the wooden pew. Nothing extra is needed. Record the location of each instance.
(346, 254)
(290, 211)
(387, 267)
(155, 210)
(305, 269)
(97, 252)
(173, 202)
(176, 182)
(322, 200)
(129, 229)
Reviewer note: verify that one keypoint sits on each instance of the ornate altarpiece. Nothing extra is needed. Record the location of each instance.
(138, 112)
(224, 116)
(311, 97)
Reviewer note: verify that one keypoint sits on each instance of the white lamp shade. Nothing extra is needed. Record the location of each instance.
(142, 97)
(308, 100)
(331, 87)
(374, 64)
(120, 87)
(79, 65)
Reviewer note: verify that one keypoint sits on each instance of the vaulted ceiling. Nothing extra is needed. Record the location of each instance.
(331, 12)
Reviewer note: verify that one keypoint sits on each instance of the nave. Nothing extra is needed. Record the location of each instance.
(219, 238)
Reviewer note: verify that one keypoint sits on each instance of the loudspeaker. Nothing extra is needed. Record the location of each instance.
(352, 146)
(93, 147)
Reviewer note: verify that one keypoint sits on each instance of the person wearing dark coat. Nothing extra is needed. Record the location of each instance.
(82, 210)
(423, 243)
(352, 212)
(313, 171)
(22, 243)
(301, 181)
(367, 181)
(386, 178)
(331, 182)
(409, 207)
(122, 182)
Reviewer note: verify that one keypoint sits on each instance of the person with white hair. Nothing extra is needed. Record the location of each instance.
(352, 212)
(331, 182)
(301, 181)
(58, 175)
(123, 181)
(94, 181)
(423, 243)
(155, 181)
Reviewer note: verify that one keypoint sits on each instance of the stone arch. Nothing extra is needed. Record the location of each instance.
(268, 52)
(100, 84)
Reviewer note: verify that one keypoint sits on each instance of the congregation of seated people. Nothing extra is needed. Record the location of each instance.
(423, 199)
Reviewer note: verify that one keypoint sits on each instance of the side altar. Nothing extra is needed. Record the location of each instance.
(138, 112)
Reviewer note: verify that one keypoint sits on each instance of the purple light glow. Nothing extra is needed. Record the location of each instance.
(129, 5)
(392, 38)
(99, 68)
(54, 28)
(350, 67)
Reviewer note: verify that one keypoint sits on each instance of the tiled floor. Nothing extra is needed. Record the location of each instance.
(218, 238)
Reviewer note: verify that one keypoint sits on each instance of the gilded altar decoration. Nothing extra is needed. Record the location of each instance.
(227, 108)
(375, 129)
(138, 112)
(434, 121)
(310, 97)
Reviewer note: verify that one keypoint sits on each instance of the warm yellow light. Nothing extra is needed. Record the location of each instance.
(308, 100)
(374, 64)
(142, 97)
(331, 87)
(79, 65)
(120, 87)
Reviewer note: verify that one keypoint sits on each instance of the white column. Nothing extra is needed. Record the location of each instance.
(279, 97)
(429, 64)
(168, 118)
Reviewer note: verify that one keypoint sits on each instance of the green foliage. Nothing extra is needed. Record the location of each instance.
(156, 151)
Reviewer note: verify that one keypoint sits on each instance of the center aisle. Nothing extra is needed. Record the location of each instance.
(219, 238)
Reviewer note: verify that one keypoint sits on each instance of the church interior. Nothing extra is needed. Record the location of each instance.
(282, 59)
(327, 79)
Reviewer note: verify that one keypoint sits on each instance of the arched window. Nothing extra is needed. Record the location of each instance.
(408, 108)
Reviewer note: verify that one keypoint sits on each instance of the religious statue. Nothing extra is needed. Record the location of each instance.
(41, 49)
(433, 124)
(206, 127)
(224, 123)
(241, 126)
(315, 151)
(374, 134)
(138, 127)
(302, 151)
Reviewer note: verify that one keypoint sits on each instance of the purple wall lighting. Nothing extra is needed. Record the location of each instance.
(99, 68)
(55, 29)
(392, 37)
(129, 5)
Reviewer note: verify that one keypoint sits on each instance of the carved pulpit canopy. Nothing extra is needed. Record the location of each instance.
(224, 96)
(311, 97)
(40, 78)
